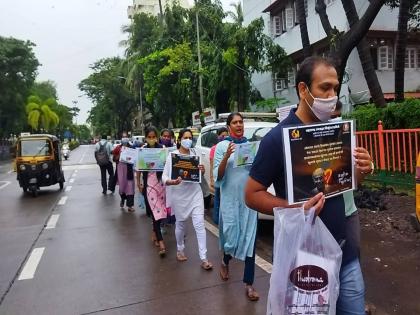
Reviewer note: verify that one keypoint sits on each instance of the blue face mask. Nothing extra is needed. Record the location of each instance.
(186, 143)
(220, 138)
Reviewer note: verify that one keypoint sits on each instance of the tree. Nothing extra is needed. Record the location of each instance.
(306, 45)
(18, 69)
(365, 57)
(341, 44)
(40, 115)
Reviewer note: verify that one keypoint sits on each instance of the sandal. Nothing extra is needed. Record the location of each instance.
(162, 252)
(130, 209)
(224, 272)
(251, 293)
(180, 256)
(154, 239)
(206, 265)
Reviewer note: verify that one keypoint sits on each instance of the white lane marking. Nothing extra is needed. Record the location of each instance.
(68, 188)
(10, 172)
(4, 184)
(71, 181)
(83, 156)
(73, 175)
(260, 262)
(80, 167)
(29, 269)
(52, 222)
(76, 171)
(62, 201)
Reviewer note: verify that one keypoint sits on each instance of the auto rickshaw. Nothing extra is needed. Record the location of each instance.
(38, 162)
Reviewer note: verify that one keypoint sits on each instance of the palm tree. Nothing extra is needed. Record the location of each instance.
(40, 114)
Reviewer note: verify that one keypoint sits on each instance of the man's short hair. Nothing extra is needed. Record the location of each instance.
(306, 69)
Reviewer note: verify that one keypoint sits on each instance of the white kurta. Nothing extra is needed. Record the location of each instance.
(185, 197)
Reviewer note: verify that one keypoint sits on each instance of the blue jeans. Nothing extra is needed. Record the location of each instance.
(351, 300)
(216, 205)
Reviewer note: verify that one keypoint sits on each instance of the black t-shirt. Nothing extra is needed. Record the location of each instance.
(268, 168)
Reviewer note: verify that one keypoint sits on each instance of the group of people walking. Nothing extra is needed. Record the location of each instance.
(166, 197)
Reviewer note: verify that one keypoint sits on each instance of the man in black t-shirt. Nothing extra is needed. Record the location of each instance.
(316, 85)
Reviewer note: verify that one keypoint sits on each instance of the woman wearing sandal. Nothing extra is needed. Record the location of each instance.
(155, 193)
(187, 201)
(125, 177)
(237, 222)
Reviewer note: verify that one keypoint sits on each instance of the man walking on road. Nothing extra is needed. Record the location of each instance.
(316, 85)
(103, 151)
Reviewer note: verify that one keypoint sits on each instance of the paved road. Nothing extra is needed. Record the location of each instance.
(75, 252)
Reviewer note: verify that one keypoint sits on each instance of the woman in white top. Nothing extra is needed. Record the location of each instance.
(187, 201)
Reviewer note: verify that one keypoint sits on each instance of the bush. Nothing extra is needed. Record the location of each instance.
(73, 144)
(405, 115)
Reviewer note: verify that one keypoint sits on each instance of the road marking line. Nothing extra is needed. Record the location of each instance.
(62, 201)
(76, 171)
(80, 167)
(5, 183)
(73, 175)
(52, 221)
(260, 262)
(71, 181)
(68, 188)
(10, 172)
(83, 156)
(29, 269)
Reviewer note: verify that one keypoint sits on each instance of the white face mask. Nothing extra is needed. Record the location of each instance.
(336, 119)
(322, 107)
(186, 143)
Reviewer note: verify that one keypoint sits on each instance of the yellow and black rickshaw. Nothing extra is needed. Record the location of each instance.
(38, 162)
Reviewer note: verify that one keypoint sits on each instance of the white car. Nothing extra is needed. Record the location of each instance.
(254, 131)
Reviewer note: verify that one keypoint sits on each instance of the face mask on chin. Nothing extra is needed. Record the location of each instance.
(322, 108)
(151, 142)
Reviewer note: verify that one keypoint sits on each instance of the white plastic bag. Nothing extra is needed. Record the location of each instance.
(306, 265)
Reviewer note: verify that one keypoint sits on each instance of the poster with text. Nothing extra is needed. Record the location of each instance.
(318, 158)
(245, 153)
(151, 159)
(128, 155)
(186, 167)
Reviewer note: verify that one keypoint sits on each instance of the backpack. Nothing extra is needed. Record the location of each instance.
(101, 156)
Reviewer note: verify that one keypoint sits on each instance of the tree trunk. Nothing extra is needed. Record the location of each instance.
(365, 57)
(400, 50)
(306, 45)
(161, 11)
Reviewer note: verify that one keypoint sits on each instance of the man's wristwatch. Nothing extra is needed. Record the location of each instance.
(372, 169)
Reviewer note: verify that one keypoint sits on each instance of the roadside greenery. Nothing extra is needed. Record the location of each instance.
(161, 59)
(405, 115)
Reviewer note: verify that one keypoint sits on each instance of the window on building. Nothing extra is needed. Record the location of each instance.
(385, 58)
(291, 76)
(277, 30)
(410, 58)
(289, 18)
(283, 20)
(295, 10)
(279, 82)
(328, 2)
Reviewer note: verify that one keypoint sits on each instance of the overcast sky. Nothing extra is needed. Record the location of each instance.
(70, 35)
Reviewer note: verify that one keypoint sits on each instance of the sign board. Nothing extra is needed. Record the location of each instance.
(283, 112)
(209, 115)
(196, 118)
(319, 158)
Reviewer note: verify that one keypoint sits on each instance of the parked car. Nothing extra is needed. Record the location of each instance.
(254, 131)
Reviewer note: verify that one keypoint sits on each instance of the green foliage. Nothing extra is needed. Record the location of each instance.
(73, 144)
(403, 115)
(40, 115)
(18, 69)
(271, 104)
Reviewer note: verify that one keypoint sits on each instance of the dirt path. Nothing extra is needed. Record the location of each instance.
(391, 256)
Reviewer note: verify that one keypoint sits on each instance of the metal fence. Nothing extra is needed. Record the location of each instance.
(392, 150)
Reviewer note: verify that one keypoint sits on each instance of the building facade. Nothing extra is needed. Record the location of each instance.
(281, 24)
(152, 6)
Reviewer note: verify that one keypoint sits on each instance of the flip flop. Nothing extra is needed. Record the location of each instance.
(224, 272)
(251, 293)
(206, 265)
(162, 252)
(181, 257)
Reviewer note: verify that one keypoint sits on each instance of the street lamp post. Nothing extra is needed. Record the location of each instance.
(141, 111)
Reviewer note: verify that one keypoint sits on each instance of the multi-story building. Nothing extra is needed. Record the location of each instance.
(281, 24)
(152, 6)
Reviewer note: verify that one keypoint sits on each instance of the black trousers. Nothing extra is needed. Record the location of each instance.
(156, 228)
(110, 169)
(128, 200)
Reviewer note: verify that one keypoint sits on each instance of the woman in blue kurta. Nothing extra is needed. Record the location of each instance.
(237, 222)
